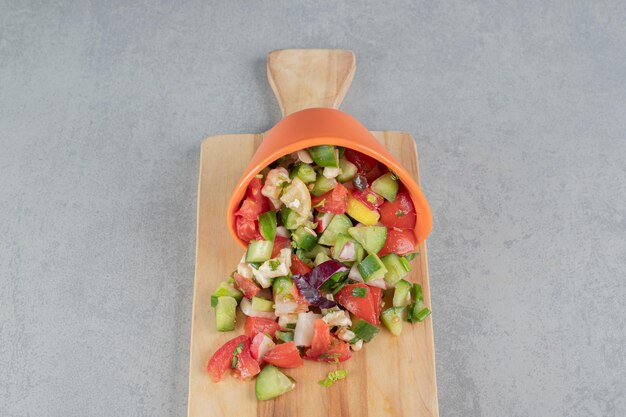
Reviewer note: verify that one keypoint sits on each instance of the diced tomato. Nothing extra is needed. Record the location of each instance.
(245, 285)
(363, 162)
(247, 366)
(285, 355)
(335, 201)
(399, 242)
(221, 360)
(247, 229)
(297, 296)
(321, 340)
(369, 198)
(367, 308)
(255, 325)
(260, 345)
(399, 214)
(280, 242)
(338, 351)
(255, 203)
(297, 266)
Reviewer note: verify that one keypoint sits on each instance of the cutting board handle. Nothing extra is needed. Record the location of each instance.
(305, 78)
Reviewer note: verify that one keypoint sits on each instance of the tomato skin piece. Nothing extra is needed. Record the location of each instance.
(247, 366)
(364, 163)
(284, 355)
(297, 266)
(321, 340)
(399, 242)
(368, 197)
(247, 229)
(256, 325)
(368, 307)
(221, 360)
(280, 242)
(334, 201)
(339, 350)
(399, 214)
(255, 203)
(245, 285)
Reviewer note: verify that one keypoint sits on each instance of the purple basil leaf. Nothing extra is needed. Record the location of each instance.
(323, 271)
(312, 295)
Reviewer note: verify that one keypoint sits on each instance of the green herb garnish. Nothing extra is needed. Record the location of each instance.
(359, 292)
(333, 376)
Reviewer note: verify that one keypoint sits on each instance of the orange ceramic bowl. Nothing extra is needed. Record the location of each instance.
(325, 126)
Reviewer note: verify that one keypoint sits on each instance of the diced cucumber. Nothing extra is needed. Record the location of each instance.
(304, 238)
(392, 319)
(271, 383)
(402, 293)
(371, 268)
(387, 186)
(225, 313)
(259, 250)
(348, 170)
(261, 304)
(225, 288)
(284, 336)
(338, 225)
(320, 258)
(323, 185)
(395, 268)
(355, 253)
(282, 286)
(311, 254)
(267, 225)
(364, 330)
(303, 171)
(290, 218)
(324, 155)
(372, 238)
(417, 311)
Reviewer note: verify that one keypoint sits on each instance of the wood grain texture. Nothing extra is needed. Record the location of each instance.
(305, 78)
(391, 376)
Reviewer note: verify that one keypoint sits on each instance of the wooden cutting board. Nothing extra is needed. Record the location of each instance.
(390, 376)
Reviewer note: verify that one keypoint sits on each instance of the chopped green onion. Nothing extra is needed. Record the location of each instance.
(364, 330)
(236, 351)
(422, 314)
(274, 264)
(333, 376)
(405, 263)
(410, 256)
(284, 336)
(291, 325)
(359, 292)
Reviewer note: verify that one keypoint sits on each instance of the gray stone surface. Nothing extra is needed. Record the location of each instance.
(518, 109)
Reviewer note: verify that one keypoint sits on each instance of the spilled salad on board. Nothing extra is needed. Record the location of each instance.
(329, 231)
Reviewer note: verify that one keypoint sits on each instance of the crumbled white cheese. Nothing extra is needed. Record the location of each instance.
(357, 346)
(338, 318)
(345, 334)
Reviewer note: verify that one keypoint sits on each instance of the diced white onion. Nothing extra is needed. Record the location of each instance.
(282, 231)
(345, 334)
(355, 274)
(246, 308)
(331, 172)
(261, 344)
(304, 156)
(380, 283)
(286, 319)
(303, 335)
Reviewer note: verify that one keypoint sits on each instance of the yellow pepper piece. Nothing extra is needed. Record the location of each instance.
(361, 213)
